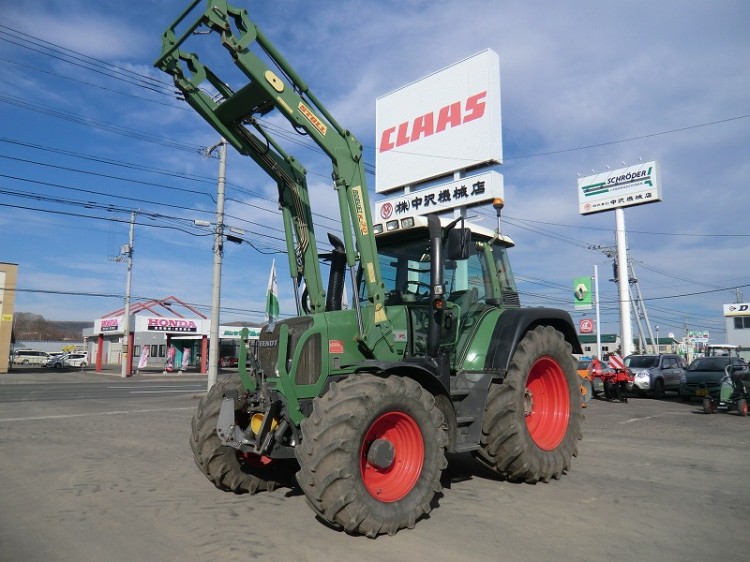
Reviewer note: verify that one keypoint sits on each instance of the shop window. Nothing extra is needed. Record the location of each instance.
(162, 351)
(154, 350)
(136, 351)
(742, 323)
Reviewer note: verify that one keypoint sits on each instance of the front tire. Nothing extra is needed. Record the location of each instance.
(708, 406)
(372, 454)
(658, 392)
(587, 391)
(532, 421)
(742, 407)
(227, 468)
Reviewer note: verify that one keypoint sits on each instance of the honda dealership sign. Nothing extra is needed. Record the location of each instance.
(625, 187)
(445, 122)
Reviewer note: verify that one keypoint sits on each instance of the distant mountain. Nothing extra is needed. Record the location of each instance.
(29, 326)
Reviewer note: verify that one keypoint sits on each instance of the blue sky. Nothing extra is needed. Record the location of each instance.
(91, 131)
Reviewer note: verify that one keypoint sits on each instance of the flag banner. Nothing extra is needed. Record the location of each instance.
(169, 364)
(143, 360)
(272, 297)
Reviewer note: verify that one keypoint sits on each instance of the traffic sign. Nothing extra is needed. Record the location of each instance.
(615, 362)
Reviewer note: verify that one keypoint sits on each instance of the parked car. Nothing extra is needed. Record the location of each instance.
(228, 361)
(655, 374)
(69, 360)
(52, 356)
(30, 357)
(703, 377)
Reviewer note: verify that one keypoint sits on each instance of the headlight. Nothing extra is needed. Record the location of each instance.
(641, 374)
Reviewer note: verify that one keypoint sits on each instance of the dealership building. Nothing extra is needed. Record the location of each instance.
(737, 318)
(167, 334)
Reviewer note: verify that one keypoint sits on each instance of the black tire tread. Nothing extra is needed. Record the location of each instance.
(506, 447)
(329, 454)
(217, 462)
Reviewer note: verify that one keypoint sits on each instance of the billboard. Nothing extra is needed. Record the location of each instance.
(737, 309)
(585, 326)
(448, 121)
(625, 187)
(582, 293)
(466, 192)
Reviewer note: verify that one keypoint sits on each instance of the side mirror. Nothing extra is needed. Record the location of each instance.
(458, 244)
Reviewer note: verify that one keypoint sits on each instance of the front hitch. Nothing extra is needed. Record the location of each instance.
(260, 434)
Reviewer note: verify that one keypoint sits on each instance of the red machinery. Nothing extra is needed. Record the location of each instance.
(617, 379)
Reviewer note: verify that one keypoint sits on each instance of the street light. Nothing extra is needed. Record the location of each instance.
(657, 339)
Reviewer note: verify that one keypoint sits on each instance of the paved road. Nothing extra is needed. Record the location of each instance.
(110, 476)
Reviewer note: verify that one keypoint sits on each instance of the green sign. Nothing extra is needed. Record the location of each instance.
(582, 293)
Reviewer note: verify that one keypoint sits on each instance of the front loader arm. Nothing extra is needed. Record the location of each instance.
(236, 112)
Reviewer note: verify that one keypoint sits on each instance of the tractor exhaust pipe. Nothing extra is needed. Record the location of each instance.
(437, 292)
(335, 294)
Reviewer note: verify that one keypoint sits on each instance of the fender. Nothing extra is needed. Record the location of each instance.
(513, 325)
(432, 375)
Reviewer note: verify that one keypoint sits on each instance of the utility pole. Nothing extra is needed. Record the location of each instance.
(654, 343)
(636, 307)
(214, 349)
(127, 349)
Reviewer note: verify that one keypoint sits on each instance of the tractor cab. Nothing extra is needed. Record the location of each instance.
(473, 281)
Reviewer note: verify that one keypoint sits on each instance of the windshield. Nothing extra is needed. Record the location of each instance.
(709, 364)
(641, 362)
(405, 266)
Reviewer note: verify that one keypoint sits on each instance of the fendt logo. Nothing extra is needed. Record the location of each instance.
(171, 325)
(451, 116)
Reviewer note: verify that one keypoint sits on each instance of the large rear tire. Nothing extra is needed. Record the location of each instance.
(229, 469)
(532, 421)
(372, 454)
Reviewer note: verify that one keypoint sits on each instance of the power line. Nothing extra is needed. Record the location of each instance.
(101, 125)
(91, 84)
(87, 62)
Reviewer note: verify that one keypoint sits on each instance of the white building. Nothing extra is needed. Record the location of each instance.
(737, 318)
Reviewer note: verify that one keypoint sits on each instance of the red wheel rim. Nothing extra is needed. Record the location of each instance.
(394, 482)
(548, 403)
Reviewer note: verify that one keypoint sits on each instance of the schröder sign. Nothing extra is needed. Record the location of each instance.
(445, 122)
(625, 187)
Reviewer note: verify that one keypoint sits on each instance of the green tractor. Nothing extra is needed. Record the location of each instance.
(434, 356)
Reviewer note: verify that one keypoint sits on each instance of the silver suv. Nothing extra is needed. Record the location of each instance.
(655, 374)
